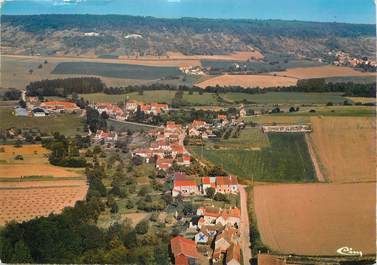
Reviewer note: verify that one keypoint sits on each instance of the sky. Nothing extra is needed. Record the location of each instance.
(350, 11)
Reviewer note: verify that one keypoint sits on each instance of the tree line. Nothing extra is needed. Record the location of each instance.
(65, 87)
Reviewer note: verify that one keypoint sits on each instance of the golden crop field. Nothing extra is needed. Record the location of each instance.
(345, 147)
(321, 71)
(261, 81)
(329, 216)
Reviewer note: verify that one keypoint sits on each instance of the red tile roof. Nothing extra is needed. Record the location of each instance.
(65, 104)
(181, 260)
(184, 182)
(226, 181)
(183, 246)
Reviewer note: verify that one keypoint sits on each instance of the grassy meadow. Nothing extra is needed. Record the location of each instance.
(160, 96)
(67, 124)
(285, 98)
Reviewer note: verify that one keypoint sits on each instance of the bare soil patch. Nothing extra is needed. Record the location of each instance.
(262, 81)
(316, 219)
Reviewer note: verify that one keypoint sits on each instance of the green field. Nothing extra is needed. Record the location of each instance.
(285, 98)
(250, 138)
(67, 124)
(286, 160)
(160, 96)
(127, 71)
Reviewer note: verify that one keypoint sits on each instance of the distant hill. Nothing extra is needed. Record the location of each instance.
(110, 34)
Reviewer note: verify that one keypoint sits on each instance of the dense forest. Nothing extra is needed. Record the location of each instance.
(37, 33)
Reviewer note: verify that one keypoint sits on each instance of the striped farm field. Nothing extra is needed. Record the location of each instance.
(25, 204)
(32, 187)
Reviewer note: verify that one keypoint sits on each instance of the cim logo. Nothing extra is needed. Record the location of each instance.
(347, 251)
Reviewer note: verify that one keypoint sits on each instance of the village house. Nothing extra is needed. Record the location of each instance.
(183, 160)
(107, 137)
(59, 106)
(112, 110)
(131, 105)
(164, 163)
(223, 242)
(185, 187)
(144, 153)
(206, 234)
(233, 255)
(230, 217)
(184, 251)
(221, 184)
(214, 215)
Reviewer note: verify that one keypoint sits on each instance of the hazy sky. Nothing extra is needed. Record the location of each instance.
(352, 11)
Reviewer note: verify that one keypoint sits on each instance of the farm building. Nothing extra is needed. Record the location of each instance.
(57, 106)
(286, 128)
(39, 112)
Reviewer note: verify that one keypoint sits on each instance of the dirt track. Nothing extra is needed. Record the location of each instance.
(245, 227)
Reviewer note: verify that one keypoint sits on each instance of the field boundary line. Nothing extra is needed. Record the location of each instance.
(318, 172)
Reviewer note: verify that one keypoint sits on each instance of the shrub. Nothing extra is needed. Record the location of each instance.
(18, 157)
(142, 227)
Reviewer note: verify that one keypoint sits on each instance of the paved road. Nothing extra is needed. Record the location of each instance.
(245, 227)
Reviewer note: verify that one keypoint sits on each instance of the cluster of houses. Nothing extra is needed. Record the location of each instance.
(41, 109)
(190, 185)
(152, 108)
(216, 236)
(345, 59)
(167, 147)
(287, 128)
(192, 70)
(130, 107)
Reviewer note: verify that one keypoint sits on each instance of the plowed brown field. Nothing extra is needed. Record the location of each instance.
(321, 71)
(316, 219)
(25, 204)
(262, 81)
(345, 147)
